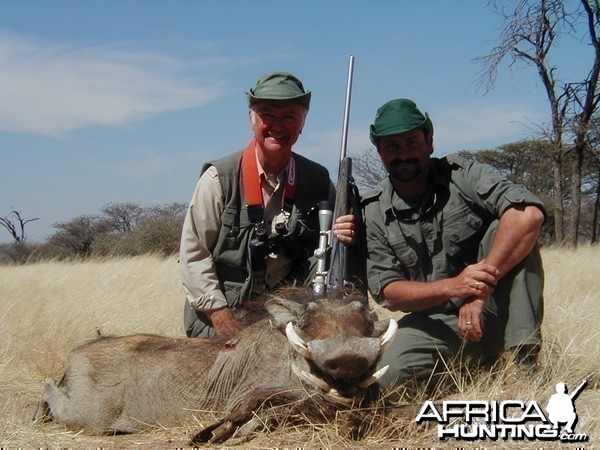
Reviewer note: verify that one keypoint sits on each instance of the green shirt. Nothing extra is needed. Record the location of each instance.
(441, 236)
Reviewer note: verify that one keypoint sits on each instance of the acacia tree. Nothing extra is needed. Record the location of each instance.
(122, 217)
(585, 103)
(524, 162)
(78, 235)
(530, 33)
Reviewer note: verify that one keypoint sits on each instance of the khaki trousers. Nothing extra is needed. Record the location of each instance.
(426, 342)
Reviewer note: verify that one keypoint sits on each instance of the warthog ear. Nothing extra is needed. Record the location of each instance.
(283, 311)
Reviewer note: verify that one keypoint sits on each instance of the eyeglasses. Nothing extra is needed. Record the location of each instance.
(289, 119)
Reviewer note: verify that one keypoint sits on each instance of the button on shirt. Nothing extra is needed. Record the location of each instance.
(278, 266)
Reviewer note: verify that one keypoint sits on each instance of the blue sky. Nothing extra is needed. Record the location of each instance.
(123, 101)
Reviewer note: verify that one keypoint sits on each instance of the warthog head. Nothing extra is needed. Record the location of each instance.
(332, 347)
(340, 344)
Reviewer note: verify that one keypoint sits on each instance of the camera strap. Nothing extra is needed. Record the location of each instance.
(253, 189)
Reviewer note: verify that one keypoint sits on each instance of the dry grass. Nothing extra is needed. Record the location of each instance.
(48, 308)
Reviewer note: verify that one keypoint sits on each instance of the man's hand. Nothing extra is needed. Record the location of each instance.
(469, 318)
(476, 280)
(344, 229)
(225, 324)
(474, 284)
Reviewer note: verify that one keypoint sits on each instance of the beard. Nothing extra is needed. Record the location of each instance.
(406, 170)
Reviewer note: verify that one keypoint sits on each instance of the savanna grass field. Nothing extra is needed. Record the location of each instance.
(48, 308)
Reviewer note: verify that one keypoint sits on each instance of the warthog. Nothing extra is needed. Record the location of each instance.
(317, 355)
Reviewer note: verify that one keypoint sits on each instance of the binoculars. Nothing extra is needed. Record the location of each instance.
(263, 243)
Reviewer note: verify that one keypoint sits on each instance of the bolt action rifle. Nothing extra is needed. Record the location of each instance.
(347, 268)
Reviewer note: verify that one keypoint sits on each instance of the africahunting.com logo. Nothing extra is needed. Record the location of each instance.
(508, 419)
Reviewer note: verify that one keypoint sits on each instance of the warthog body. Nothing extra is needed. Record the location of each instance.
(125, 384)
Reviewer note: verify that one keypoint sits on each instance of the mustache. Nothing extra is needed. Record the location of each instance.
(402, 162)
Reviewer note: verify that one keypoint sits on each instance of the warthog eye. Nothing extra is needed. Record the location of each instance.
(356, 306)
(312, 306)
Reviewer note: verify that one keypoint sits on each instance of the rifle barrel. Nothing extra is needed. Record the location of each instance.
(344, 144)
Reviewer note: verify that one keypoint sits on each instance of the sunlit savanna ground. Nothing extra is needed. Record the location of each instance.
(46, 309)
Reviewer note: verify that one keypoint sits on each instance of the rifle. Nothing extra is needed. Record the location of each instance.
(347, 263)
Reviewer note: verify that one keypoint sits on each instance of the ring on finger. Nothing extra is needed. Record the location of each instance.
(477, 284)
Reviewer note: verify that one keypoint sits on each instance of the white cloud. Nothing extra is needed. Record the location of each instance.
(52, 89)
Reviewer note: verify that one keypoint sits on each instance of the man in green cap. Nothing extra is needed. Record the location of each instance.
(252, 223)
(454, 245)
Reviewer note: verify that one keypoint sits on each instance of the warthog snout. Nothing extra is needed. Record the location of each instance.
(346, 365)
(350, 360)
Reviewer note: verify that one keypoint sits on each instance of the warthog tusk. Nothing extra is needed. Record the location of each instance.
(337, 397)
(296, 341)
(388, 336)
(332, 394)
(373, 378)
(312, 379)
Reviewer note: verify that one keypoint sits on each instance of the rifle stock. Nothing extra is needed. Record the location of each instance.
(337, 274)
(348, 262)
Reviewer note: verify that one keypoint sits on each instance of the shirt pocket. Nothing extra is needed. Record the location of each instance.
(407, 259)
(233, 235)
(305, 235)
(462, 231)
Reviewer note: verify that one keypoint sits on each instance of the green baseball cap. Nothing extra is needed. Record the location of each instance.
(398, 116)
(281, 86)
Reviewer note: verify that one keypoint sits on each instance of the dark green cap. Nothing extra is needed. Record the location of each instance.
(279, 86)
(398, 116)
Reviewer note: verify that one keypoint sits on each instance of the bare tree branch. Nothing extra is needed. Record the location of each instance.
(17, 234)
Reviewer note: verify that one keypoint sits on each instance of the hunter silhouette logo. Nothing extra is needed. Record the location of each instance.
(561, 406)
(507, 419)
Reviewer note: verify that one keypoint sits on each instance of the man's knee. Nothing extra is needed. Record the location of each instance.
(408, 368)
(415, 355)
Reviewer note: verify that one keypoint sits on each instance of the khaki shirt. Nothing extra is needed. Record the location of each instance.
(440, 237)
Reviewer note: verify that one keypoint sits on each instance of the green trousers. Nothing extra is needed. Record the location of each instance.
(427, 341)
(196, 324)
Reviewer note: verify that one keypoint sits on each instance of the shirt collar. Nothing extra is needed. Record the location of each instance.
(281, 176)
(391, 201)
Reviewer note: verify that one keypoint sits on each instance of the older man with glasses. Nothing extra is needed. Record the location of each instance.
(252, 223)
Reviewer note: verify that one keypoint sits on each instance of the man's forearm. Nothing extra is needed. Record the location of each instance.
(409, 296)
(515, 237)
